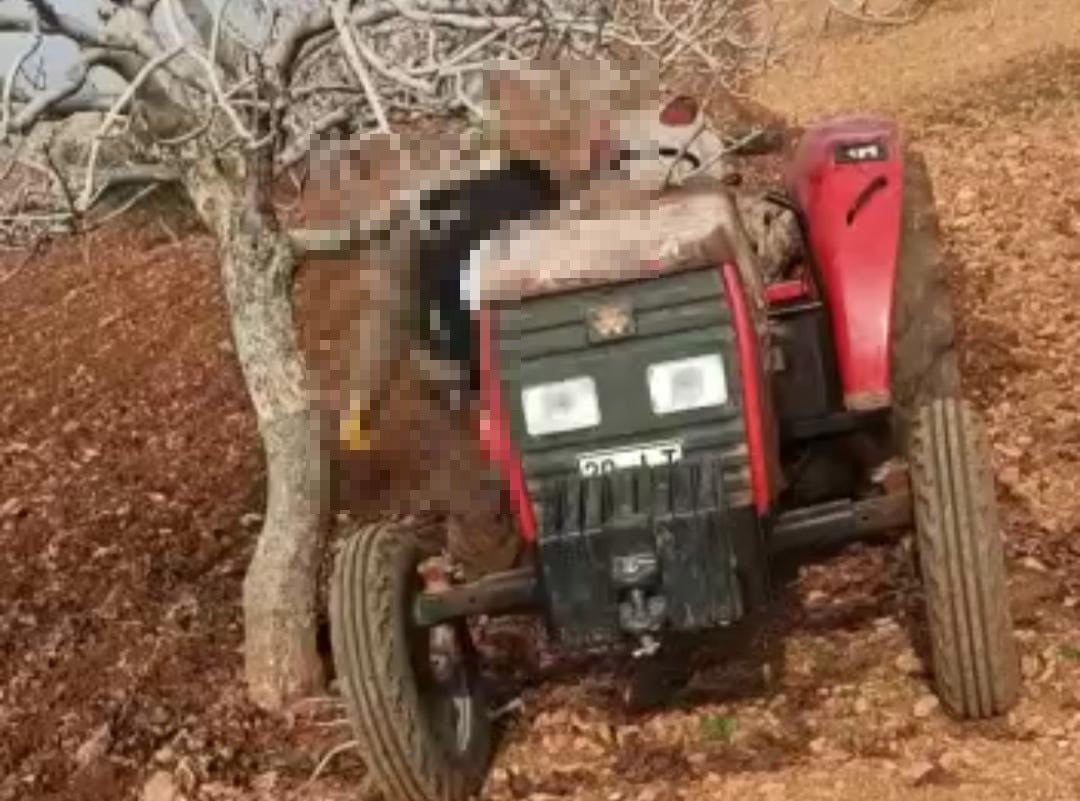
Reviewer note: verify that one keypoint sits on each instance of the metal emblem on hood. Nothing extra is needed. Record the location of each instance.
(610, 321)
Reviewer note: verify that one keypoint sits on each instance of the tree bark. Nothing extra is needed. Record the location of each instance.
(281, 659)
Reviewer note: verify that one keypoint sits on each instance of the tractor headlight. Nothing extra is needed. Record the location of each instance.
(684, 384)
(560, 406)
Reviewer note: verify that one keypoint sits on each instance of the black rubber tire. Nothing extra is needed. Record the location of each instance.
(924, 354)
(375, 654)
(962, 562)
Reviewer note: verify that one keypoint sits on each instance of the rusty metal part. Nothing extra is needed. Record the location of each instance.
(837, 522)
(496, 594)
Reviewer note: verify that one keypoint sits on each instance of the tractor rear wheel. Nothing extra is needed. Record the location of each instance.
(962, 562)
(413, 694)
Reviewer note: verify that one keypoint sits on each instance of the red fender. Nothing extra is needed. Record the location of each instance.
(847, 176)
(759, 444)
(494, 431)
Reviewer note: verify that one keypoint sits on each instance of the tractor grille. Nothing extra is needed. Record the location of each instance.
(676, 515)
(673, 316)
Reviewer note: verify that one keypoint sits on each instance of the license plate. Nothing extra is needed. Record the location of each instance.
(657, 453)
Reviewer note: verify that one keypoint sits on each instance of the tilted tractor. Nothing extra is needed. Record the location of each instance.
(665, 437)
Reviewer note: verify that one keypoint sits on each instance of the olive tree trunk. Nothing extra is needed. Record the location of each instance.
(281, 660)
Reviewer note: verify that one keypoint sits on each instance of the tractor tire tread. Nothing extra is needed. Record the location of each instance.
(962, 562)
(371, 654)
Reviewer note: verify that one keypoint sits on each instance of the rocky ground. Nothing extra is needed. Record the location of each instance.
(130, 491)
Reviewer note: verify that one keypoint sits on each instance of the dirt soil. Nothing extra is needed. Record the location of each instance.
(130, 487)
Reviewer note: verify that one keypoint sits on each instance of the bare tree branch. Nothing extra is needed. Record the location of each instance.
(201, 18)
(129, 92)
(339, 13)
(296, 152)
(9, 81)
(59, 180)
(124, 207)
(51, 22)
(384, 69)
(284, 52)
(210, 67)
(75, 79)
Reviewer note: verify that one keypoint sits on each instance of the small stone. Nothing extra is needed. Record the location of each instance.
(926, 706)
(816, 598)
(886, 625)
(250, 519)
(818, 746)
(909, 664)
(926, 773)
(95, 746)
(1034, 565)
(160, 787)
(919, 772)
(861, 706)
(165, 755)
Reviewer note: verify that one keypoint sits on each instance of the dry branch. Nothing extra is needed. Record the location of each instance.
(87, 194)
(339, 13)
(13, 72)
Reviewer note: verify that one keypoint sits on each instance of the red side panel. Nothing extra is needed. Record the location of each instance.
(847, 176)
(752, 392)
(495, 431)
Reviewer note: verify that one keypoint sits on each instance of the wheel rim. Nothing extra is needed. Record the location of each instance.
(447, 686)
(453, 680)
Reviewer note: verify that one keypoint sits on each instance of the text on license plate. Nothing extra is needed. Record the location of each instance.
(657, 453)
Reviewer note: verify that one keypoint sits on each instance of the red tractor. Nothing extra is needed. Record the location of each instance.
(663, 438)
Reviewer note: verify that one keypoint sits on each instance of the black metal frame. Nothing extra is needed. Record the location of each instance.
(819, 526)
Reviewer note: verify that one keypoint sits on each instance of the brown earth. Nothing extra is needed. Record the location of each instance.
(130, 482)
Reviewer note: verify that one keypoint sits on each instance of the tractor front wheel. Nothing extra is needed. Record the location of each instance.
(962, 562)
(413, 694)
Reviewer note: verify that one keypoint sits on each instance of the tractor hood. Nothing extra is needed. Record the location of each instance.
(618, 231)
